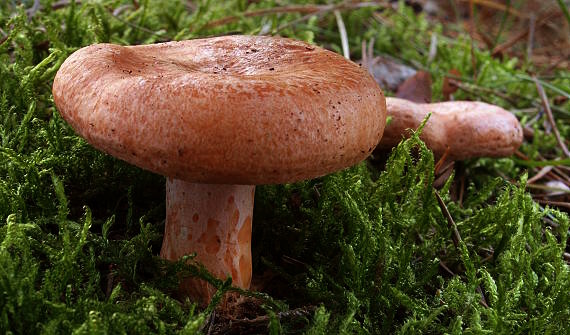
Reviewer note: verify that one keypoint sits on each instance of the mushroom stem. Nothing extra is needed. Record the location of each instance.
(214, 221)
(467, 129)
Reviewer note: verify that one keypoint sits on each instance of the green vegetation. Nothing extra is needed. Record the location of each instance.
(366, 250)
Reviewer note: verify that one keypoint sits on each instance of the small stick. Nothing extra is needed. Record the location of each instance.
(461, 190)
(468, 88)
(343, 34)
(554, 203)
(63, 3)
(543, 172)
(446, 268)
(432, 47)
(441, 161)
(498, 6)
(456, 238)
(299, 20)
(557, 169)
(483, 301)
(364, 55)
(34, 9)
(371, 48)
(450, 223)
(471, 35)
(301, 9)
(530, 43)
(547, 188)
(546, 106)
(508, 44)
(564, 9)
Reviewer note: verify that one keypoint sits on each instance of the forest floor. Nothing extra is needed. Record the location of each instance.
(396, 244)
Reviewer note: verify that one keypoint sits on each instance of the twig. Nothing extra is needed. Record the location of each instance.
(367, 52)
(469, 89)
(117, 11)
(152, 32)
(483, 301)
(450, 223)
(554, 203)
(472, 27)
(371, 48)
(301, 9)
(343, 34)
(443, 174)
(260, 323)
(530, 43)
(524, 33)
(456, 239)
(299, 20)
(63, 3)
(440, 162)
(31, 12)
(546, 106)
(446, 268)
(211, 322)
(543, 172)
(36, 7)
(564, 10)
(432, 47)
(558, 169)
(514, 99)
(547, 188)
(498, 6)
(461, 190)
(364, 54)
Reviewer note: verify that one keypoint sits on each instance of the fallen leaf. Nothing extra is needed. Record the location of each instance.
(448, 87)
(416, 88)
(389, 73)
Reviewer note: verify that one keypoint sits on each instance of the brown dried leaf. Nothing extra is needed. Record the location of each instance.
(416, 88)
(389, 73)
(448, 87)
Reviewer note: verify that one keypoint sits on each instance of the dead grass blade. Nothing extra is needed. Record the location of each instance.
(550, 116)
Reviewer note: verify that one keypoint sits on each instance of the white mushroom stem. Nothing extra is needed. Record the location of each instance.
(465, 129)
(213, 221)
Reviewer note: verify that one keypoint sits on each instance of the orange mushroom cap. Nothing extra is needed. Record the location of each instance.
(230, 110)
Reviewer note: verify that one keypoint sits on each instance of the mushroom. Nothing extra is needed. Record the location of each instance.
(462, 129)
(218, 116)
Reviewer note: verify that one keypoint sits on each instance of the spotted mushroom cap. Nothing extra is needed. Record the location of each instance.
(231, 110)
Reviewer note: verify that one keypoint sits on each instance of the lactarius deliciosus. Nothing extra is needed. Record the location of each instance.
(459, 129)
(218, 116)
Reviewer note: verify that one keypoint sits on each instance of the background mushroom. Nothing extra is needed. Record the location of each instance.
(459, 129)
(218, 116)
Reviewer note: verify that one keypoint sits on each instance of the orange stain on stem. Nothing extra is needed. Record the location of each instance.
(244, 235)
(235, 219)
(228, 260)
(245, 270)
(210, 237)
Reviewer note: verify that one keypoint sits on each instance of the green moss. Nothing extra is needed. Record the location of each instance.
(80, 231)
